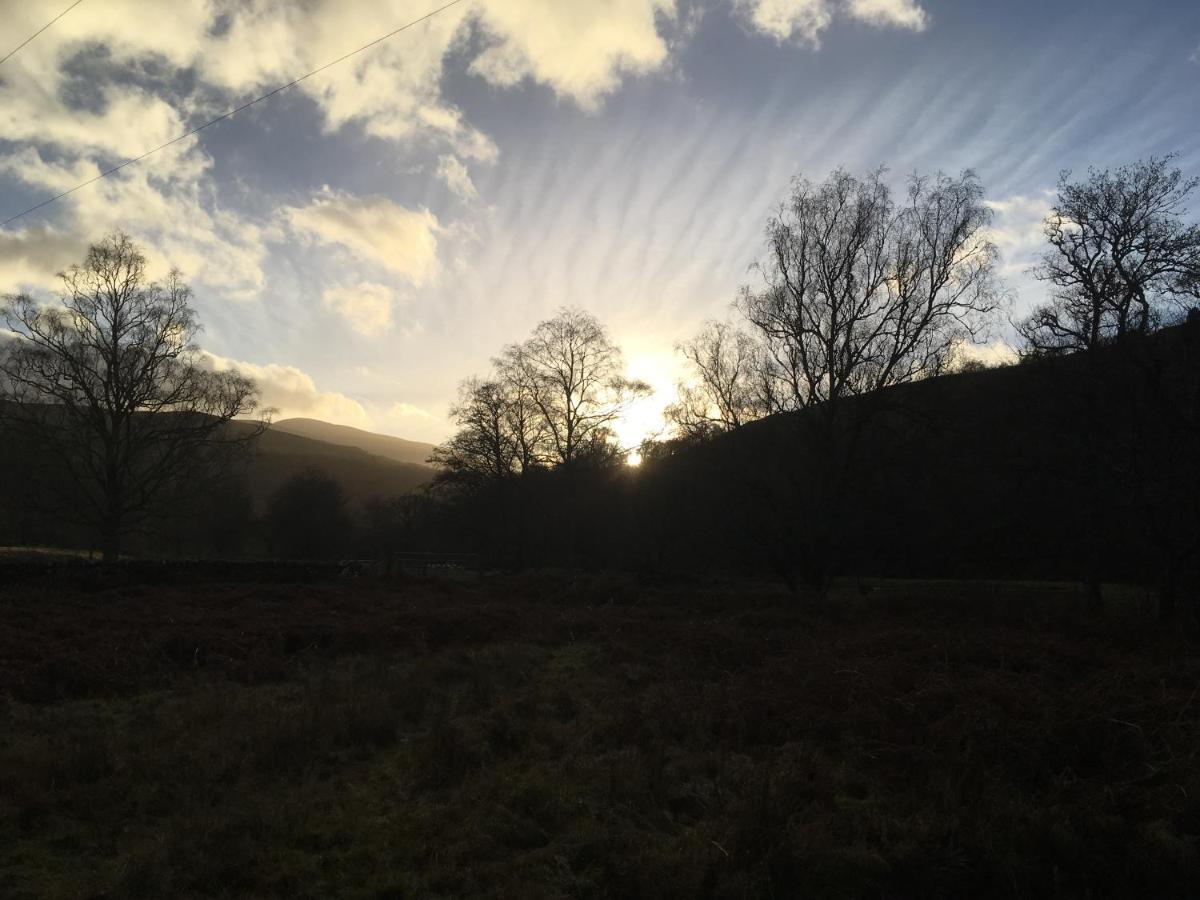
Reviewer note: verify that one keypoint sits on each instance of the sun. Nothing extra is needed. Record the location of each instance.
(643, 419)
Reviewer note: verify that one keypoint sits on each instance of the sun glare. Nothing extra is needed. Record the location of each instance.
(643, 420)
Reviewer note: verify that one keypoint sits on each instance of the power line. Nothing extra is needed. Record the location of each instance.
(232, 112)
(13, 52)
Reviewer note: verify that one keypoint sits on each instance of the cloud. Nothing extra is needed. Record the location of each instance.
(30, 258)
(787, 19)
(292, 392)
(413, 422)
(579, 49)
(179, 222)
(805, 20)
(112, 80)
(895, 13)
(455, 175)
(375, 230)
(409, 411)
(994, 353)
(1018, 230)
(366, 307)
(148, 68)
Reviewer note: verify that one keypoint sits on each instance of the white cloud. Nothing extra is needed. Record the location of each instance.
(392, 90)
(456, 177)
(580, 49)
(994, 353)
(292, 392)
(896, 13)
(787, 19)
(409, 411)
(366, 307)
(375, 230)
(1018, 230)
(111, 80)
(413, 422)
(805, 20)
(178, 221)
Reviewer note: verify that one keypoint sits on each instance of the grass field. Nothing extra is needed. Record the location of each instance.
(559, 736)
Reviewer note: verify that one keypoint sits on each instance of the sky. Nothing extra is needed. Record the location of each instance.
(365, 240)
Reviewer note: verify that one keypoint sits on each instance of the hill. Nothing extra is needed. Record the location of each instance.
(1062, 468)
(29, 515)
(393, 448)
(1080, 468)
(363, 475)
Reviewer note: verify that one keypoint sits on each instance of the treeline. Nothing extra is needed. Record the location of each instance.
(812, 436)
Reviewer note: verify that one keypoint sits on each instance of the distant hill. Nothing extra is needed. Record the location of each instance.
(27, 516)
(281, 453)
(393, 448)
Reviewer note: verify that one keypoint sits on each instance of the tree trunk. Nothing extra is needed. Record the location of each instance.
(1168, 594)
(111, 529)
(110, 543)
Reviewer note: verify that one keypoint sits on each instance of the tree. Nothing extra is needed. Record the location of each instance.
(485, 446)
(728, 387)
(860, 292)
(1120, 258)
(535, 438)
(522, 417)
(110, 384)
(574, 375)
(307, 517)
(1121, 263)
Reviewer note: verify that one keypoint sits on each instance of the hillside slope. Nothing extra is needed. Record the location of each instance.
(280, 454)
(393, 448)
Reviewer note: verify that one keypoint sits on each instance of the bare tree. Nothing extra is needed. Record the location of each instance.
(109, 382)
(485, 446)
(860, 292)
(1121, 257)
(523, 418)
(1122, 262)
(729, 386)
(575, 376)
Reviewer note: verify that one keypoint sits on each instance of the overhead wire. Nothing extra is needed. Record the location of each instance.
(13, 52)
(232, 112)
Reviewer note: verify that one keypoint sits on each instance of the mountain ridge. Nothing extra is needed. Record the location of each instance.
(393, 448)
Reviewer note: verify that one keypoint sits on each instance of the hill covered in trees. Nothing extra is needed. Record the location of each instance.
(221, 515)
(1061, 468)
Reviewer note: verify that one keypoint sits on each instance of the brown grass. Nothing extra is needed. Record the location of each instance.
(548, 737)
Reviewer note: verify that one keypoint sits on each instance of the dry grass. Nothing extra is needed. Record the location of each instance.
(586, 737)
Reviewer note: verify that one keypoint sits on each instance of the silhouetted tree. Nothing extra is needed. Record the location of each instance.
(729, 386)
(307, 517)
(110, 384)
(485, 447)
(534, 437)
(1121, 257)
(523, 418)
(574, 374)
(862, 292)
(1122, 262)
